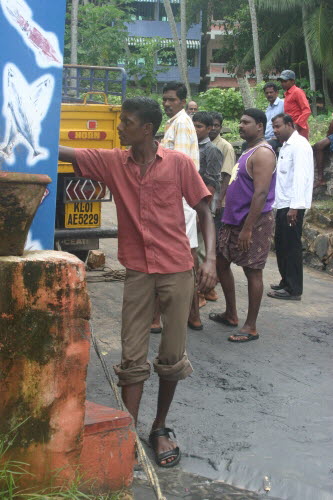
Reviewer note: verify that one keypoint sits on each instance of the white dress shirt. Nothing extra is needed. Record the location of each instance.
(294, 180)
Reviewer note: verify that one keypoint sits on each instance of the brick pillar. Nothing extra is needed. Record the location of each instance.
(44, 353)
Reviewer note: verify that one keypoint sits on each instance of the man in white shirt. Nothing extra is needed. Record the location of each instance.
(275, 107)
(293, 195)
(180, 135)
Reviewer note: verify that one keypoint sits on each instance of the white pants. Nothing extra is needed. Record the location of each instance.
(191, 224)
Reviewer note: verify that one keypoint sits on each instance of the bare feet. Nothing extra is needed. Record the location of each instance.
(202, 300)
(212, 295)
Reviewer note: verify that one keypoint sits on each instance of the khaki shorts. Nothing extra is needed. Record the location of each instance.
(175, 292)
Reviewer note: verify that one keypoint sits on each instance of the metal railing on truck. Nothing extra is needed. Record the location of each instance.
(79, 79)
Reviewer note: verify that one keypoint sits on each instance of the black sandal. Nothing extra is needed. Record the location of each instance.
(175, 453)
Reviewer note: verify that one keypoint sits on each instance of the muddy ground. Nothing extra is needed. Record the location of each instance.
(249, 410)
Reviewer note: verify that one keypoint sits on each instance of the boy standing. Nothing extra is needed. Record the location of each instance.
(211, 160)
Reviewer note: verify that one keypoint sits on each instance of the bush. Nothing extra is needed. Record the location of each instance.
(226, 101)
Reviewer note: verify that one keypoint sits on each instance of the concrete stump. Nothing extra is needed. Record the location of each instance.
(44, 353)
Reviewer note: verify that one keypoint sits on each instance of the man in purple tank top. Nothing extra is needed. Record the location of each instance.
(245, 236)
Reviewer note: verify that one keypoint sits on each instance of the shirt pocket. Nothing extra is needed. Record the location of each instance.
(286, 165)
(164, 193)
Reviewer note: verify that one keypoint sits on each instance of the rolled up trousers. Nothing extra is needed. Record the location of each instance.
(175, 292)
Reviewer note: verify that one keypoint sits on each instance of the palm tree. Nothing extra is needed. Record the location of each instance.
(316, 21)
(74, 20)
(181, 52)
(255, 37)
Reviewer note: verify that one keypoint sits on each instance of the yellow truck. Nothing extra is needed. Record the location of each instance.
(86, 123)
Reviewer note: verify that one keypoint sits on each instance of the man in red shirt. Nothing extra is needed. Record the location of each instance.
(148, 182)
(295, 102)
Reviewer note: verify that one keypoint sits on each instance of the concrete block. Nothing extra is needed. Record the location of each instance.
(107, 456)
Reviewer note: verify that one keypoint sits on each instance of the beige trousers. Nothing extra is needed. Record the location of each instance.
(175, 292)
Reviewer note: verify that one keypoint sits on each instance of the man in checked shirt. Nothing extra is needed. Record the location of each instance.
(180, 135)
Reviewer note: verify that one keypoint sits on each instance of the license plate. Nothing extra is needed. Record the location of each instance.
(82, 214)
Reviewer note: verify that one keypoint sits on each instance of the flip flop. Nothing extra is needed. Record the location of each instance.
(218, 318)
(242, 334)
(164, 431)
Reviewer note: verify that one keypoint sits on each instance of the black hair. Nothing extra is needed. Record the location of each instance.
(285, 117)
(203, 117)
(147, 110)
(271, 85)
(179, 87)
(217, 116)
(258, 116)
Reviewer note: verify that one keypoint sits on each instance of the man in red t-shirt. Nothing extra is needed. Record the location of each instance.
(148, 182)
(295, 102)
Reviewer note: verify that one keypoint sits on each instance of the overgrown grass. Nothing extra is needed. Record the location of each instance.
(12, 472)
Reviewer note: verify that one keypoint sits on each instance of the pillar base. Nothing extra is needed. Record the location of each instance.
(107, 457)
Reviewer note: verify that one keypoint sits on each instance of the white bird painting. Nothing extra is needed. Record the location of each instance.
(25, 106)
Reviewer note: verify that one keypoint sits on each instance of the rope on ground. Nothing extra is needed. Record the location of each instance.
(144, 460)
(108, 274)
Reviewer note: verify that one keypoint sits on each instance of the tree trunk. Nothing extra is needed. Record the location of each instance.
(74, 13)
(244, 88)
(312, 76)
(173, 27)
(183, 32)
(255, 38)
(74, 23)
(328, 102)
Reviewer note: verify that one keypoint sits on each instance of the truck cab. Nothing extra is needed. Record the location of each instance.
(87, 121)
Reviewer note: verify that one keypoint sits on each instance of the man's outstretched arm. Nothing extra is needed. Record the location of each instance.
(67, 154)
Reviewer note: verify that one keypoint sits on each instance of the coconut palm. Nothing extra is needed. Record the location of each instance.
(315, 27)
(255, 37)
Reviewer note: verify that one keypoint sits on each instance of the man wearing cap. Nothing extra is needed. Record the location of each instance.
(295, 102)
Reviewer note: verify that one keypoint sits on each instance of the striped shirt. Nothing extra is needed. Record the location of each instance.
(180, 135)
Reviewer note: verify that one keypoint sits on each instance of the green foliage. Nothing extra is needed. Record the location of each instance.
(141, 64)
(304, 84)
(102, 33)
(318, 127)
(226, 101)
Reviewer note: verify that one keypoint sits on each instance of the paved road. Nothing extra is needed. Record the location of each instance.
(249, 410)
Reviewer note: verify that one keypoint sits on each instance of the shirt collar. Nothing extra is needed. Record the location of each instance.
(291, 90)
(204, 141)
(276, 102)
(159, 152)
(292, 138)
(173, 118)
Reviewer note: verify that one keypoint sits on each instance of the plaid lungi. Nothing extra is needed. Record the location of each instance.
(256, 256)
